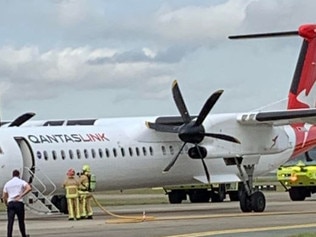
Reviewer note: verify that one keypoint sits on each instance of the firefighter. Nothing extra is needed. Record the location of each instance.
(71, 186)
(86, 211)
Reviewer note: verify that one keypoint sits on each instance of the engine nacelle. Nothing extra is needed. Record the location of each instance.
(197, 152)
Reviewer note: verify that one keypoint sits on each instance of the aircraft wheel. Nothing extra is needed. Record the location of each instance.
(258, 201)
(245, 202)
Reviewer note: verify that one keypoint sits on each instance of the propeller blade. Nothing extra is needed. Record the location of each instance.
(168, 167)
(177, 96)
(21, 119)
(264, 35)
(222, 137)
(204, 164)
(163, 127)
(208, 106)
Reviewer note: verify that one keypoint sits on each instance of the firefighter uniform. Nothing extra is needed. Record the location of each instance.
(86, 211)
(71, 186)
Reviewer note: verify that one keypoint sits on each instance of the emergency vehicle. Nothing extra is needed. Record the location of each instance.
(298, 176)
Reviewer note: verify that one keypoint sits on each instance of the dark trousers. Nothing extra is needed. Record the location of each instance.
(18, 209)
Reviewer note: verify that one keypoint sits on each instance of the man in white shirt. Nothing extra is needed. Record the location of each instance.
(13, 192)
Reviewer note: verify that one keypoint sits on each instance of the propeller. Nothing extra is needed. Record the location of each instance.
(191, 130)
(21, 119)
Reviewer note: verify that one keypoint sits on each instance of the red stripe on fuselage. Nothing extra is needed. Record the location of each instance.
(305, 138)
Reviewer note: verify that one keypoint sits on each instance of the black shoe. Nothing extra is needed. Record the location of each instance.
(90, 217)
(71, 219)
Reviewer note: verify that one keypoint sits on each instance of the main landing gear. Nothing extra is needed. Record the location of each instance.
(250, 199)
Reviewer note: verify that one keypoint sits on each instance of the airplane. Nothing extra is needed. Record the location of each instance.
(141, 152)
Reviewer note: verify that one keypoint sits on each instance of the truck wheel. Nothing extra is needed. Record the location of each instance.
(176, 196)
(234, 195)
(297, 194)
(60, 202)
(199, 196)
(219, 194)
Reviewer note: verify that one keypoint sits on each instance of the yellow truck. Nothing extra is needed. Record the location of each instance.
(299, 177)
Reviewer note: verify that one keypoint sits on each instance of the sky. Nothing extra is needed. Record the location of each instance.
(66, 59)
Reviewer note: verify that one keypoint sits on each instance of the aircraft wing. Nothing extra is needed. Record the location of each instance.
(278, 118)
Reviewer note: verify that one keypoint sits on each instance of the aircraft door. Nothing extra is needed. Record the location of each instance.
(28, 159)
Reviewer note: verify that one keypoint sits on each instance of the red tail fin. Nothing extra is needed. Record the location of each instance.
(303, 89)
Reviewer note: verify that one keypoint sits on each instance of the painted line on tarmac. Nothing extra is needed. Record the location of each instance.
(232, 215)
(244, 230)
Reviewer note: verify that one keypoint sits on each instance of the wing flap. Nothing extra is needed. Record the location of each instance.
(278, 118)
(218, 178)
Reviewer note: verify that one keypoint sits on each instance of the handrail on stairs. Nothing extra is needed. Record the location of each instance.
(40, 181)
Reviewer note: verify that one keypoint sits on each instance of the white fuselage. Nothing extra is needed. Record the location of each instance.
(123, 153)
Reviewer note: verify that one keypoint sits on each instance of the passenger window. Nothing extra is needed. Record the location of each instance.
(137, 151)
(93, 153)
(107, 152)
(144, 151)
(45, 155)
(151, 151)
(78, 154)
(100, 153)
(86, 154)
(130, 151)
(122, 151)
(171, 150)
(54, 155)
(163, 150)
(71, 154)
(63, 154)
(39, 155)
(114, 152)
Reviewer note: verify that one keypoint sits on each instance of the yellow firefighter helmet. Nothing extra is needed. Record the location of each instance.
(86, 168)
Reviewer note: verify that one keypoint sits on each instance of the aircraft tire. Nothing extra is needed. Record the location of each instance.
(258, 201)
(245, 202)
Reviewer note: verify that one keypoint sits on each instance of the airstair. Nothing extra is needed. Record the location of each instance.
(35, 200)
